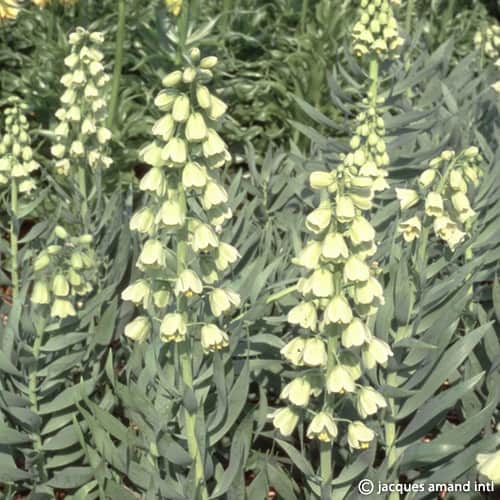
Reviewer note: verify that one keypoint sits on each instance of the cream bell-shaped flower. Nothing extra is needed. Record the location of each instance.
(213, 338)
(407, 198)
(339, 380)
(154, 181)
(171, 215)
(196, 129)
(138, 329)
(334, 247)
(173, 328)
(303, 314)
(314, 353)
(285, 420)
(321, 180)
(194, 175)
(320, 283)
(338, 310)
(488, 464)
(350, 363)
(40, 293)
(142, 221)
(359, 435)
(62, 308)
(138, 292)
(319, 219)
(356, 270)
(369, 401)
(188, 283)
(293, 351)
(223, 301)
(323, 428)
(298, 392)
(204, 238)
(361, 231)
(368, 292)
(226, 255)
(374, 352)
(410, 228)
(152, 254)
(309, 255)
(434, 205)
(164, 127)
(355, 334)
(345, 209)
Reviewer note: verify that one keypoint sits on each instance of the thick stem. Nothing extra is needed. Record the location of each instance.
(182, 26)
(184, 351)
(326, 467)
(14, 239)
(33, 398)
(303, 15)
(117, 71)
(373, 73)
(390, 433)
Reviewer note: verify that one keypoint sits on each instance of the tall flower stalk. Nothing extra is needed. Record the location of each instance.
(16, 166)
(183, 257)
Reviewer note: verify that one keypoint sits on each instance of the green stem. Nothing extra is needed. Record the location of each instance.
(390, 433)
(326, 467)
(184, 351)
(373, 73)
(14, 239)
(282, 293)
(409, 16)
(33, 398)
(82, 186)
(117, 71)
(226, 11)
(303, 15)
(182, 26)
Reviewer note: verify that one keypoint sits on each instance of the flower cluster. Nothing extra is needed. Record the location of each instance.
(443, 197)
(368, 150)
(16, 155)
(9, 9)
(339, 294)
(81, 133)
(183, 254)
(376, 30)
(489, 41)
(488, 464)
(63, 272)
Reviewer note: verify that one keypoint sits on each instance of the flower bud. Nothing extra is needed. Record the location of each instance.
(320, 180)
(173, 328)
(172, 79)
(213, 338)
(359, 435)
(457, 182)
(138, 329)
(41, 262)
(208, 62)
(323, 428)
(203, 96)
(427, 177)
(165, 100)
